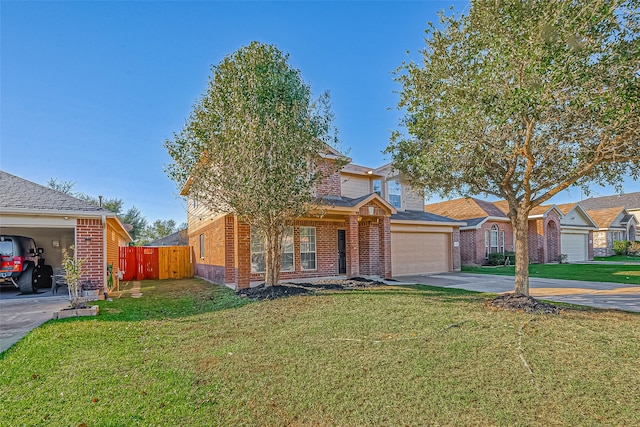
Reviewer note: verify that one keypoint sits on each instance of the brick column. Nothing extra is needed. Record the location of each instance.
(455, 246)
(243, 255)
(384, 230)
(229, 249)
(89, 246)
(353, 246)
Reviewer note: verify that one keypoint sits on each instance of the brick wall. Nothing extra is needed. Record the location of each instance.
(384, 233)
(455, 238)
(208, 268)
(326, 251)
(89, 246)
(369, 243)
(472, 242)
(468, 247)
(331, 185)
(590, 246)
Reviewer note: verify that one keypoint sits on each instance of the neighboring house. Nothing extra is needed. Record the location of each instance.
(357, 230)
(179, 238)
(577, 229)
(614, 224)
(56, 220)
(489, 229)
(629, 201)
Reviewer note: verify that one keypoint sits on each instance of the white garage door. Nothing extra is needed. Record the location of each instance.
(575, 246)
(420, 253)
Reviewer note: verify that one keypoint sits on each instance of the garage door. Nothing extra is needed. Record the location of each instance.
(575, 246)
(420, 253)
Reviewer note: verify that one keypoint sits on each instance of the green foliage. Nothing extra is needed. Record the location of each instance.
(65, 187)
(254, 141)
(73, 270)
(157, 230)
(520, 100)
(511, 256)
(634, 248)
(496, 259)
(134, 217)
(620, 247)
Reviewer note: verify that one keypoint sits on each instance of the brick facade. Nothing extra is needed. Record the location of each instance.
(90, 247)
(472, 242)
(543, 234)
(331, 185)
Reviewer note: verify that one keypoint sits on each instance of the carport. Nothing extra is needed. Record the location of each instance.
(57, 221)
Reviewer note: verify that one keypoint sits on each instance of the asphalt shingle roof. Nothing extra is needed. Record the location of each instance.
(179, 238)
(19, 194)
(629, 201)
(420, 216)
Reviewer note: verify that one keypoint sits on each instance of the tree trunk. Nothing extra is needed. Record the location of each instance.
(273, 255)
(520, 225)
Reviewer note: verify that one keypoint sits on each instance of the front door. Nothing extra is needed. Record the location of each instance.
(342, 252)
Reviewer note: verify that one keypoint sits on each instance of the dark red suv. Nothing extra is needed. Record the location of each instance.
(21, 263)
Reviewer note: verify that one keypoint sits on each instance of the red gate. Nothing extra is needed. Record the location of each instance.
(139, 263)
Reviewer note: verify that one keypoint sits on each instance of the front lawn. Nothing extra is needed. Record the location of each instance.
(618, 258)
(189, 354)
(628, 274)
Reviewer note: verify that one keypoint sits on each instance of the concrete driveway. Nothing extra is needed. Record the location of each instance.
(595, 294)
(21, 313)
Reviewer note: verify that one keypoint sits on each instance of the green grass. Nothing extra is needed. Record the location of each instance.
(189, 353)
(628, 274)
(618, 258)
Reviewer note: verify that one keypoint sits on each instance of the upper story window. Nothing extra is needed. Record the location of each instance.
(377, 187)
(395, 193)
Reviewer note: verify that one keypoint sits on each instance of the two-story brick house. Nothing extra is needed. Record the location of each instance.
(364, 226)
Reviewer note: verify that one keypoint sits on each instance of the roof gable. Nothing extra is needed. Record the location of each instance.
(608, 217)
(575, 215)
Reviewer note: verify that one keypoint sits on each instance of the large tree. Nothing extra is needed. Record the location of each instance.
(521, 99)
(252, 145)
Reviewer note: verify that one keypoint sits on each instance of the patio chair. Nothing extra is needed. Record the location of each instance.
(59, 280)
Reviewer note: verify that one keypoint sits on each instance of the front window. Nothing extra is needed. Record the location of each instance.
(395, 194)
(202, 246)
(493, 241)
(258, 260)
(258, 257)
(287, 250)
(308, 248)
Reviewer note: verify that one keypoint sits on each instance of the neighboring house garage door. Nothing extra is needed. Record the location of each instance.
(575, 246)
(420, 253)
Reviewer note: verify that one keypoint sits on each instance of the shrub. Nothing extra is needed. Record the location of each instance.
(634, 248)
(620, 247)
(511, 256)
(496, 259)
(563, 258)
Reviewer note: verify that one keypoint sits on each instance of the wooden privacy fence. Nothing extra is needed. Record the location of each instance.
(162, 262)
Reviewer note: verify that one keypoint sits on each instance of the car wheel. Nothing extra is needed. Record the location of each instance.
(25, 281)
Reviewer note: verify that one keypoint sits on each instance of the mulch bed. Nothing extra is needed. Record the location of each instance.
(261, 292)
(520, 302)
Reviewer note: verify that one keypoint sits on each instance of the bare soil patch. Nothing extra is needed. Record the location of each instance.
(261, 292)
(520, 302)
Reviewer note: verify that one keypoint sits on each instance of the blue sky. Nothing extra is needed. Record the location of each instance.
(90, 91)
